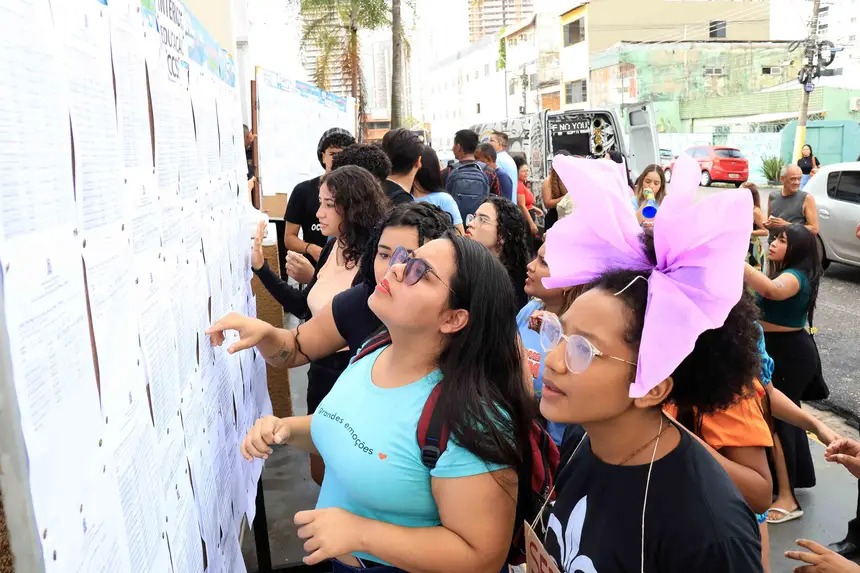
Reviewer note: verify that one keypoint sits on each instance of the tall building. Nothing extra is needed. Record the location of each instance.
(488, 17)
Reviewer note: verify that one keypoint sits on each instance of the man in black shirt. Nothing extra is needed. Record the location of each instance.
(404, 148)
(304, 200)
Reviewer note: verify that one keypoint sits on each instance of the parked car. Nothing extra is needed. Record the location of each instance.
(719, 165)
(666, 158)
(836, 189)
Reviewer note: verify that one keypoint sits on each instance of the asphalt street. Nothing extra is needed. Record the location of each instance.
(838, 320)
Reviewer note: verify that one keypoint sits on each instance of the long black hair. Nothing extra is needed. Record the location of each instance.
(430, 174)
(430, 221)
(483, 401)
(359, 200)
(801, 254)
(512, 238)
(724, 361)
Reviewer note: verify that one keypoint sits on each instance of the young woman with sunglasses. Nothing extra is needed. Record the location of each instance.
(379, 505)
(499, 226)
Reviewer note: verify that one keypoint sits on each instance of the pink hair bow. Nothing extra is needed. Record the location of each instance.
(700, 250)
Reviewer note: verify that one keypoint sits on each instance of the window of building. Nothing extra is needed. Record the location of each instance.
(479, 107)
(533, 83)
(512, 86)
(717, 29)
(486, 70)
(575, 92)
(823, 27)
(574, 32)
(771, 71)
(844, 186)
(712, 72)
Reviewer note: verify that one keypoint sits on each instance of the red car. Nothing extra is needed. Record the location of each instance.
(719, 165)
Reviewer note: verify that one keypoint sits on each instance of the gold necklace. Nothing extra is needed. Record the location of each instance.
(651, 441)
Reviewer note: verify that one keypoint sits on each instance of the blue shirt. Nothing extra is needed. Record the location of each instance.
(506, 186)
(367, 436)
(766, 361)
(444, 201)
(536, 355)
(506, 164)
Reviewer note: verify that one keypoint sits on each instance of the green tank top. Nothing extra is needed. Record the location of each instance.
(791, 312)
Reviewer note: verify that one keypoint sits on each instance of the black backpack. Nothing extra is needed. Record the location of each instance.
(469, 186)
(535, 475)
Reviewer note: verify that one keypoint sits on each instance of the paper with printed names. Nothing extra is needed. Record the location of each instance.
(35, 144)
(84, 29)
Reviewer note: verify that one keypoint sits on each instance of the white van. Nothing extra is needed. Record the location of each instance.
(593, 132)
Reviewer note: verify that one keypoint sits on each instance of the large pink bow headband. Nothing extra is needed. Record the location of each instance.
(700, 250)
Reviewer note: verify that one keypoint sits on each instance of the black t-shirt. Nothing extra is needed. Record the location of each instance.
(354, 320)
(695, 520)
(302, 210)
(805, 164)
(396, 193)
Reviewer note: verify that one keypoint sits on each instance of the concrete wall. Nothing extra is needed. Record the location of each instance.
(675, 20)
(217, 17)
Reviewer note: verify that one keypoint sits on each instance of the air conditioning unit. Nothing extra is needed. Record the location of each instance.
(854, 104)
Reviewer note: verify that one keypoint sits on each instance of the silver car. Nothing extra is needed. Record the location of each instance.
(836, 189)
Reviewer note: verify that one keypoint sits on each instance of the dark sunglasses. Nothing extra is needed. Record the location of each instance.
(416, 269)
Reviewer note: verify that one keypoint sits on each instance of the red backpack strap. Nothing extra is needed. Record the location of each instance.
(432, 433)
(373, 343)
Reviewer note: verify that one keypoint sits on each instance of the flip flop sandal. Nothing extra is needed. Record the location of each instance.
(786, 515)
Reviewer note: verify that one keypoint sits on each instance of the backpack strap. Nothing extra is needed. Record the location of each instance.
(373, 343)
(432, 433)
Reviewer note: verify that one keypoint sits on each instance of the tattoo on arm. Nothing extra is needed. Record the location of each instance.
(285, 356)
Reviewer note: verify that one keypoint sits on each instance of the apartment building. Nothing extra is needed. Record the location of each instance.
(487, 17)
(614, 21)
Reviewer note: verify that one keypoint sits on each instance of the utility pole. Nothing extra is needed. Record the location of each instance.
(810, 71)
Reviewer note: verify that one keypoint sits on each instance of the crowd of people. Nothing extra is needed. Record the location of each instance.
(623, 371)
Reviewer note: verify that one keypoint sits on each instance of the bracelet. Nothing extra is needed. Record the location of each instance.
(307, 246)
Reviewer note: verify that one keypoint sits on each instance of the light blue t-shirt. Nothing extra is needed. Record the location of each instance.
(445, 202)
(367, 436)
(506, 163)
(536, 355)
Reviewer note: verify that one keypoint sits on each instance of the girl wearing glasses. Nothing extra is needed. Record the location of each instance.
(380, 507)
(692, 517)
(499, 226)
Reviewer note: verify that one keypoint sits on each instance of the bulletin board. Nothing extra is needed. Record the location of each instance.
(124, 185)
(291, 117)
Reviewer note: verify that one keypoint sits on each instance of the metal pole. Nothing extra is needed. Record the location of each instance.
(810, 54)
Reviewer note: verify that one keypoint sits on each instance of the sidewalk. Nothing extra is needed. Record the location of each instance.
(288, 488)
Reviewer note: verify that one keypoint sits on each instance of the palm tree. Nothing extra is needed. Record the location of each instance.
(333, 26)
(396, 65)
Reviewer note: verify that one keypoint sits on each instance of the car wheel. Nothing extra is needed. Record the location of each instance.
(706, 179)
(667, 173)
(823, 254)
(738, 185)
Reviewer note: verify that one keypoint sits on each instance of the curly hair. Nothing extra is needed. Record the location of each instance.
(360, 201)
(512, 238)
(724, 361)
(334, 137)
(430, 221)
(366, 155)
